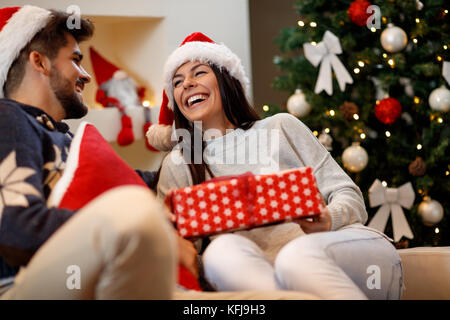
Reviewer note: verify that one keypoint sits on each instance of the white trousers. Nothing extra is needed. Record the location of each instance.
(120, 246)
(352, 263)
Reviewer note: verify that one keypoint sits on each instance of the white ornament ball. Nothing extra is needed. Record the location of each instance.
(431, 211)
(355, 157)
(326, 140)
(297, 104)
(393, 39)
(439, 99)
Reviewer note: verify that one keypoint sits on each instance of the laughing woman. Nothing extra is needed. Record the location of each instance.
(329, 257)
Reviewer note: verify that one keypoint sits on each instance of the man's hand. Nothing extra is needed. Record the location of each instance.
(318, 224)
(187, 255)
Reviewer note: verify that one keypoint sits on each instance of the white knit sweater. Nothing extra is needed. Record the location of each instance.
(283, 142)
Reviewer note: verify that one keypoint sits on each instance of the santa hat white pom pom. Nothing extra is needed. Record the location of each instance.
(159, 136)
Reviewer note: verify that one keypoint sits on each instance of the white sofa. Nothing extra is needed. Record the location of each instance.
(426, 273)
(426, 276)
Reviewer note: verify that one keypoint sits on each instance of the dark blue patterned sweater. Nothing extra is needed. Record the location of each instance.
(33, 152)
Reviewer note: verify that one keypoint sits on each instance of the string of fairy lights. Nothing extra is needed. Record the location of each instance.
(389, 59)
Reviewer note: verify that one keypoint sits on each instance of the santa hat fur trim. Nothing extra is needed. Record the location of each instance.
(205, 52)
(19, 30)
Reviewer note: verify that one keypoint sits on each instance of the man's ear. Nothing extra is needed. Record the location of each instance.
(39, 62)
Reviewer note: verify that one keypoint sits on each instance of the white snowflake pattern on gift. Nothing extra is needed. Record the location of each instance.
(294, 188)
(223, 189)
(235, 193)
(269, 181)
(215, 208)
(181, 220)
(261, 200)
(305, 180)
(271, 192)
(206, 228)
(210, 186)
(226, 200)
(286, 207)
(240, 216)
(194, 223)
(296, 199)
(292, 177)
(282, 185)
(217, 220)
(178, 197)
(263, 212)
(183, 231)
(238, 204)
(212, 197)
(230, 223)
(307, 192)
(259, 189)
(298, 211)
(309, 203)
(273, 204)
(200, 193)
(192, 212)
(276, 215)
(188, 190)
(190, 201)
(204, 216)
(233, 182)
(180, 208)
(284, 196)
(202, 204)
(227, 212)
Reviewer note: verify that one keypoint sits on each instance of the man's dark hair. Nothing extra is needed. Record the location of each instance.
(48, 41)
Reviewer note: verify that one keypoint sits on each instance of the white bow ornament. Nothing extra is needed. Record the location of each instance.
(326, 52)
(392, 200)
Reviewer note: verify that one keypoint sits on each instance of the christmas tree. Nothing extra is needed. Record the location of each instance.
(372, 73)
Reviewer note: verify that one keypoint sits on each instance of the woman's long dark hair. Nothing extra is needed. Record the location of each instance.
(237, 110)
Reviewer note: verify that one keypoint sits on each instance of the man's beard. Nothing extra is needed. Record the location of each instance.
(64, 92)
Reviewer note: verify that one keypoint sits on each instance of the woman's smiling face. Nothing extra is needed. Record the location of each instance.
(197, 94)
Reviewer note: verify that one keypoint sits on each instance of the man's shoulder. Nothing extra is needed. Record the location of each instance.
(11, 111)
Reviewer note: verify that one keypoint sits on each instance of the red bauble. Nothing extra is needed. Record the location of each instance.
(388, 110)
(357, 12)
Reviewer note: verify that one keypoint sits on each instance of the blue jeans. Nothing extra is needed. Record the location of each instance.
(354, 262)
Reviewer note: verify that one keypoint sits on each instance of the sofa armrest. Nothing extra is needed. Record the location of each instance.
(426, 272)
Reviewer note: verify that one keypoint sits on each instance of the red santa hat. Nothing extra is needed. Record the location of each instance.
(196, 47)
(103, 69)
(18, 26)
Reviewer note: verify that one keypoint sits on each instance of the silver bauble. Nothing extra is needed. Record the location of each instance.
(431, 211)
(393, 39)
(297, 104)
(326, 140)
(439, 99)
(355, 158)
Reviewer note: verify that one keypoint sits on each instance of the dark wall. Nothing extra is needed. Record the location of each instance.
(267, 18)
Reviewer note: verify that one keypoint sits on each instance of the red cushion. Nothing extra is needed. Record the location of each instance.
(92, 168)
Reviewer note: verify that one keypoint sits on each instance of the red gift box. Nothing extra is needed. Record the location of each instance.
(245, 201)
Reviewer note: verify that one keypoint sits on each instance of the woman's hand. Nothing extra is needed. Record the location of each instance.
(318, 224)
(187, 255)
